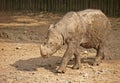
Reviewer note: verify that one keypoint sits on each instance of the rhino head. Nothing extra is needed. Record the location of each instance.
(53, 42)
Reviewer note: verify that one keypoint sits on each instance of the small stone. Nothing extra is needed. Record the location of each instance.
(11, 72)
(57, 79)
(33, 73)
(100, 70)
(25, 32)
(81, 73)
(110, 58)
(85, 52)
(2, 49)
(85, 75)
(17, 48)
(92, 68)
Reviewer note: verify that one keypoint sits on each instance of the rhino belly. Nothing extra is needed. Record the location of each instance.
(89, 42)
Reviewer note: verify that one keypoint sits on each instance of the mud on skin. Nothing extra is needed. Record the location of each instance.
(89, 29)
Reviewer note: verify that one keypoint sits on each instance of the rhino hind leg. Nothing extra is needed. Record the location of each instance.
(100, 54)
(77, 64)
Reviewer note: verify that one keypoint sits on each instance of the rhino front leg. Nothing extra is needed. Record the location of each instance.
(100, 55)
(77, 64)
(68, 54)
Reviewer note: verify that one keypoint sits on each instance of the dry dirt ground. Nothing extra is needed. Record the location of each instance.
(21, 62)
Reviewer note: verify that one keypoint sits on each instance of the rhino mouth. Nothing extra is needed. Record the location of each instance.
(45, 52)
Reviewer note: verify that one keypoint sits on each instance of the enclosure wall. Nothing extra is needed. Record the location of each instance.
(109, 7)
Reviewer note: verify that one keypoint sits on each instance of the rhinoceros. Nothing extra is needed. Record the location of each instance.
(89, 28)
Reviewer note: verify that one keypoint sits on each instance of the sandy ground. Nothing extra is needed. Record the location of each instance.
(21, 62)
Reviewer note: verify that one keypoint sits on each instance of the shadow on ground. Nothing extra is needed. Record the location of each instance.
(50, 63)
(32, 64)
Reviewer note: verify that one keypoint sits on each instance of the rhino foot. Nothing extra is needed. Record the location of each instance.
(76, 67)
(97, 62)
(61, 70)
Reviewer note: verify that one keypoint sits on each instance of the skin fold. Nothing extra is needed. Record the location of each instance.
(89, 28)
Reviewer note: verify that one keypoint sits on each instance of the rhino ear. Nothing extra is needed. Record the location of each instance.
(51, 27)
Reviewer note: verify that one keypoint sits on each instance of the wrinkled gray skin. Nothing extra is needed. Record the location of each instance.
(88, 28)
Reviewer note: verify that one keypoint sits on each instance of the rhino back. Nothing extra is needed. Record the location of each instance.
(97, 27)
(92, 24)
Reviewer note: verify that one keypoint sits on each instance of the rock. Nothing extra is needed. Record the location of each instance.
(100, 70)
(85, 75)
(57, 79)
(18, 78)
(69, 82)
(17, 48)
(33, 73)
(85, 52)
(25, 32)
(92, 68)
(2, 49)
